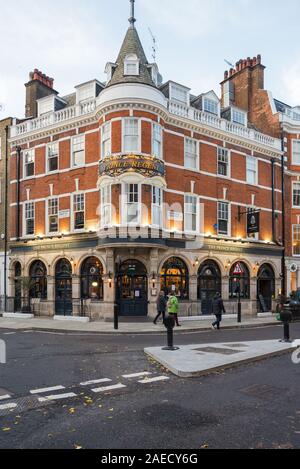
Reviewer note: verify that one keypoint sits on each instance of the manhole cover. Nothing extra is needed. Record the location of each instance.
(218, 351)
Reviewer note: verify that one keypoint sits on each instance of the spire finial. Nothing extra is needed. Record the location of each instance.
(132, 19)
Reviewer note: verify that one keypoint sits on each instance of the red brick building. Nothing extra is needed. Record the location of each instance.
(125, 188)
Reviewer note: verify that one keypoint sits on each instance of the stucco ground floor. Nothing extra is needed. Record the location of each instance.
(88, 277)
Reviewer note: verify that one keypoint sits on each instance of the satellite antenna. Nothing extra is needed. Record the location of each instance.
(228, 63)
(154, 45)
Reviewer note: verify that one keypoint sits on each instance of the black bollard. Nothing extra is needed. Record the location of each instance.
(286, 318)
(169, 323)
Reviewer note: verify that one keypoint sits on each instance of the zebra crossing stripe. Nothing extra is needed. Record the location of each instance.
(137, 375)
(154, 380)
(7, 396)
(8, 406)
(57, 397)
(109, 388)
(96, 381)
(44, 390)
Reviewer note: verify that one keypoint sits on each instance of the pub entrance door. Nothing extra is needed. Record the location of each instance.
(132, 289)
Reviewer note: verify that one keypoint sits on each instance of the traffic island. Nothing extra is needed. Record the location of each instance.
(197, 360)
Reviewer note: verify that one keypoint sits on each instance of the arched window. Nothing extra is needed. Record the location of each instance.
(239, 283)
(38, 276)
(175, 278)
(131, 65)
(91, 279)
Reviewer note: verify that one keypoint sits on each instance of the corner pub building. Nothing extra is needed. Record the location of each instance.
(123, 189)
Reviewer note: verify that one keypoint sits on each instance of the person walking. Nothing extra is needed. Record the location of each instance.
(161, 307)
(218, 310)
(173, 308)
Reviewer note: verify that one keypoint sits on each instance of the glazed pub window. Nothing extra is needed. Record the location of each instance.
(190, 213)
(28, 163)
(78, 147)
(106, 140)
(29, 218)
(52, 157)
(53, 215)
(131, 135)
(296, 194)
(296, 240)
(106, 206)
(132, 204)
(157, 141)
(79, 212)
(223, 218)
(296, 152)
(223, 162)
(191, 154)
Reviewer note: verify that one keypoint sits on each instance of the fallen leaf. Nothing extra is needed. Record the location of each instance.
(77, 447)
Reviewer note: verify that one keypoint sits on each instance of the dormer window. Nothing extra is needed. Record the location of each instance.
(210, 105)
(131, 65)
(239, 117)
(179, 93)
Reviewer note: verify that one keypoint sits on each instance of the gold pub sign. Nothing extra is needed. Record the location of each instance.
(145, 165)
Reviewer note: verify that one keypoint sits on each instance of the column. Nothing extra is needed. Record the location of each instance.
(153, 284)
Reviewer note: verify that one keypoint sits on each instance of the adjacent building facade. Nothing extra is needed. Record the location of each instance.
(125, 188)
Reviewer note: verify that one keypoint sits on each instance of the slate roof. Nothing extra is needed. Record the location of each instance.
(131, 45)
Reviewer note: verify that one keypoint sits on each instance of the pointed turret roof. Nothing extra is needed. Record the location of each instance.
(131, 45)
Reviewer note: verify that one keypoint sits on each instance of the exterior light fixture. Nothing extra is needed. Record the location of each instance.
(153, 279)
(95, 284)
(110, 279)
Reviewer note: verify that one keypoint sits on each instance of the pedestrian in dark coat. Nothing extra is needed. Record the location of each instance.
(161, 307)
(218, 310)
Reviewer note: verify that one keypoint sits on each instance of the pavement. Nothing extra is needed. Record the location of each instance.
(129, 327)
(197, 360)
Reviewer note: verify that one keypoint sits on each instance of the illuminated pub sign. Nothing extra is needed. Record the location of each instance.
(117, 165)
(253, 222)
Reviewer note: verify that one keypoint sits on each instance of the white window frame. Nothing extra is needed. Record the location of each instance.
(174, 88)
(293, 239)
(294, 142)
(212, 103)
(82, 136)
(228, 221)
(139, 142)
(52, 144)
(157, 207)
(159, 142)
(197, 154)
(221, 150)
(125, 204)
(25, 219)
(187, 212)
(241, 113)
(88, 92)
(32, 152)
(255, 160)
(130, 61)
(105, 191)
(78, 194)
(105, 138)
(294, 183)
(48, 216)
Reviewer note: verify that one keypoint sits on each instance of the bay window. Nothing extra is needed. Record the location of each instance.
(131, 204)
(157, 206)
(105, 206)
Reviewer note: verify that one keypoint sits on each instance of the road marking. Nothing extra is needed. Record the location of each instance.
(137, 375)
(57, 397)
(9, 333)
(43, 390)
(8, 406)
(6, 396)
(109, 388)
(96, 381)
(154, 380)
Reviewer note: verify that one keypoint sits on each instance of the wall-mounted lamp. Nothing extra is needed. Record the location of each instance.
(110, 279)
(153, 280)
(196, 262)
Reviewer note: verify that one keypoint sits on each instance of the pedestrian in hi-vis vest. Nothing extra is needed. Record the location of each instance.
(161, 307)
(173, 308)
(218, 310)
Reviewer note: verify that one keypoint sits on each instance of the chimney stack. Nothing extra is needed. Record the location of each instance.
(39, 86)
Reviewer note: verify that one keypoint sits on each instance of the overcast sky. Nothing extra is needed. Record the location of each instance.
(71, 40)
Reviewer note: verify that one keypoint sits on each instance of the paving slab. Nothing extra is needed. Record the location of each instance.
(197, 360)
